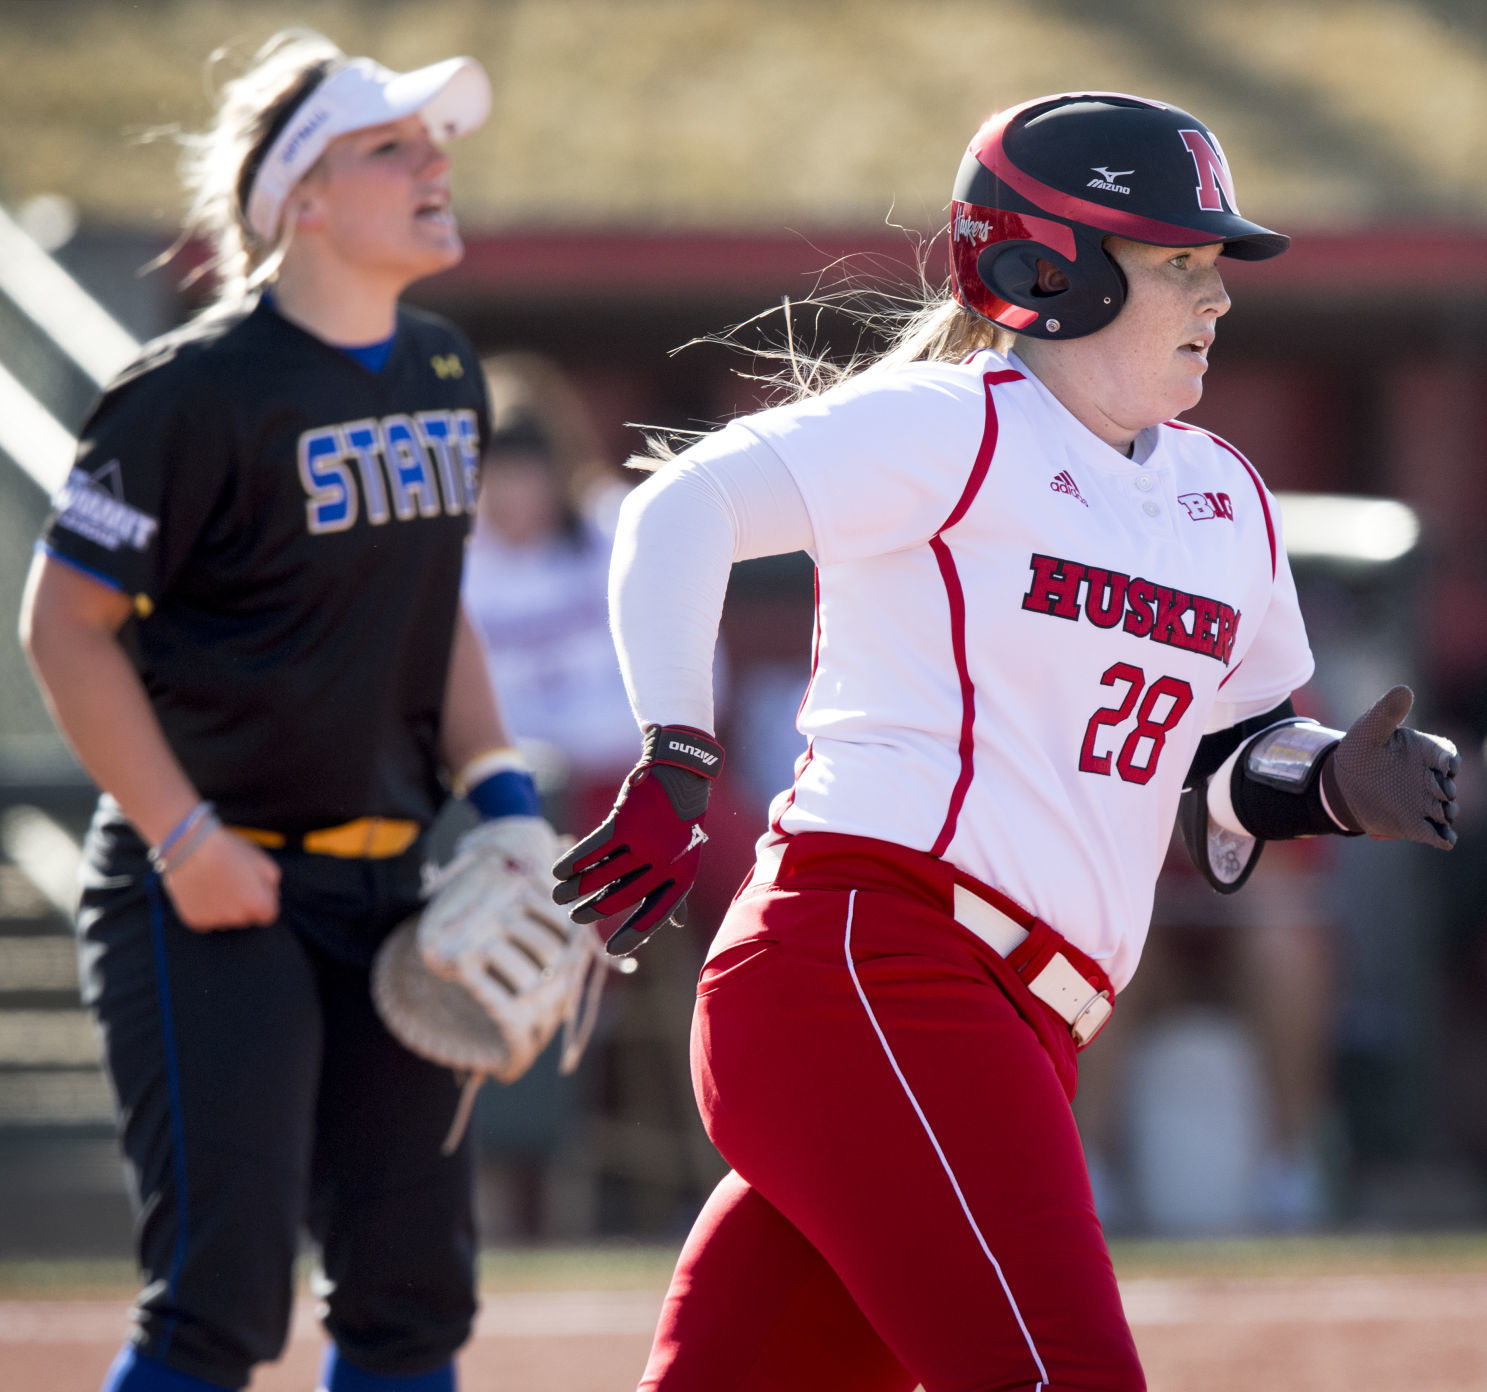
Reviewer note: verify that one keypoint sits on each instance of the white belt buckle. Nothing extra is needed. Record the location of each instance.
(1062, 986)
(1091, 1020)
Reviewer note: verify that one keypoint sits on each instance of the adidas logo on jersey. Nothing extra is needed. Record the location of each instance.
(1063, 482)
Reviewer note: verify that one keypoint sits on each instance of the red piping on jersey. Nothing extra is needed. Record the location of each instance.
(810, 747)
(1264, 507)
(1254, 479)
(955, 597)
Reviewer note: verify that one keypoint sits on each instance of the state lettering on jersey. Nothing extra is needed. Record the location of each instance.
(403, 467)
(93, 506)
(1066, 589)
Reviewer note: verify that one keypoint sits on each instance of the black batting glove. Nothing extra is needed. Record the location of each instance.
(642, 859)
(1389, 781)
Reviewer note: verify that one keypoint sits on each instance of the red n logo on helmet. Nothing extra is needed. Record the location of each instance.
(1215, 183)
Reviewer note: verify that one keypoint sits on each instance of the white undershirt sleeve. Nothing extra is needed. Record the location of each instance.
(728, 498)
(1221, 717)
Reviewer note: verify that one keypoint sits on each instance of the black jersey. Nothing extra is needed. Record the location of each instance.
(291, 527)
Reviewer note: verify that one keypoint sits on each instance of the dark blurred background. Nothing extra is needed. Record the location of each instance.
(1310, 1054)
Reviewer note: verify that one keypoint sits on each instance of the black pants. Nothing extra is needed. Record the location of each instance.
(259, 1093)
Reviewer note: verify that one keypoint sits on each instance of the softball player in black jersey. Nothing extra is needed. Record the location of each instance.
(245, 614)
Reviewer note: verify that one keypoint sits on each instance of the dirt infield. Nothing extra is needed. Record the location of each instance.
(1323, 1332)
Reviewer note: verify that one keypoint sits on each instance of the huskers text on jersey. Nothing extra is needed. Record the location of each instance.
(1106, 598)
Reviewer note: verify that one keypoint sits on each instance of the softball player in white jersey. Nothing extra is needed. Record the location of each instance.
(1045, 609)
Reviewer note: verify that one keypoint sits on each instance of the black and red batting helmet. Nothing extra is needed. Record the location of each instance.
(1050, 179)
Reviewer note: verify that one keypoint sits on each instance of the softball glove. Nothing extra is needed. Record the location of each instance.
(484, 977)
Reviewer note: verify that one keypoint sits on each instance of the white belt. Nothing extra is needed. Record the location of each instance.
(1060, 984)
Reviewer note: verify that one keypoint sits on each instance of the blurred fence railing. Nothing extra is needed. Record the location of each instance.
(60, 1184)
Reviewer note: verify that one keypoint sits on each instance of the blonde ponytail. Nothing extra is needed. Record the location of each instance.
(218, 163)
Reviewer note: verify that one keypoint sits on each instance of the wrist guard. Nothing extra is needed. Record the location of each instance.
(1224, 858)
(1276, 786)
(1273, 790)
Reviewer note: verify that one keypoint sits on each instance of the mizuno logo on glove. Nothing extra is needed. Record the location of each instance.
(631, 873)
(677, 747)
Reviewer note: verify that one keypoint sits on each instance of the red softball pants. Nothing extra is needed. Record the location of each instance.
(908, 1202)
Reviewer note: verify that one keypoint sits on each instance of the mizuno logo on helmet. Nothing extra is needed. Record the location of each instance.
(1109, 178)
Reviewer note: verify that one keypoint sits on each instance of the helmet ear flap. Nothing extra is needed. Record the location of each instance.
(1096, 286)
(1010, 270)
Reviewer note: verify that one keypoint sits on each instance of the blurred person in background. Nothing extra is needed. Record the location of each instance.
(536, 588)
(535, 580)
(1464, 1076)
(245, 615)
(1231, 987)
(537, 576)
(1049, 617)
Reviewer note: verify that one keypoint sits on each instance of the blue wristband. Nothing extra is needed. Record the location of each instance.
(509, 793)
(160, 854)
(178, 832)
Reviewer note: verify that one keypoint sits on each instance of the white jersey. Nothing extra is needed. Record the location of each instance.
(1021, 634)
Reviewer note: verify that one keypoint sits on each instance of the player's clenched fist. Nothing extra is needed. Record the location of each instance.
(1390, 781)
(642, 859)
(227, 883)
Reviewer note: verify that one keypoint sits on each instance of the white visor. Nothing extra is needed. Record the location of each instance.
(454, 97)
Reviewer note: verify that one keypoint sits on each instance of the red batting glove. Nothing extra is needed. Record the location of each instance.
(643, 856)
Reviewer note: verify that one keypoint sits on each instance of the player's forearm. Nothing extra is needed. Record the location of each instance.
(100, 706)
(472, 723)
(728, 498)
(667, 580)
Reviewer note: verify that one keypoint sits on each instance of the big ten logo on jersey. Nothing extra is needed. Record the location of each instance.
(405, 467)
(1203, 506)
